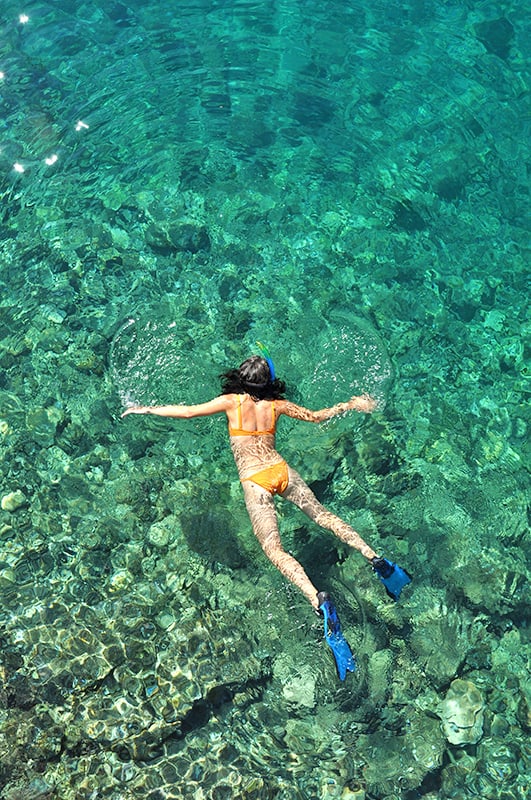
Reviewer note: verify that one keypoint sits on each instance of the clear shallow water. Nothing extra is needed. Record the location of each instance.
(347, 184)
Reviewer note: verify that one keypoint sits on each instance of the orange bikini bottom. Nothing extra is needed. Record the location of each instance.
(273, 479)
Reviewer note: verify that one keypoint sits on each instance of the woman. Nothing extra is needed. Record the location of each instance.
(253, 400)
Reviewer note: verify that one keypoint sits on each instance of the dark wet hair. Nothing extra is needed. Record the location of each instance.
(253, 377)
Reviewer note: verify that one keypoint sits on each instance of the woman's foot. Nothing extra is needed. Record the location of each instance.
(393, 577)
(336, 641)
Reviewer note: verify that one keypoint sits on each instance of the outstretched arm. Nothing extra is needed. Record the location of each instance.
(363, 402)
(215, 406)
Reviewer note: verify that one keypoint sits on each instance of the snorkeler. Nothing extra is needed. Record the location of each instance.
(253, 399)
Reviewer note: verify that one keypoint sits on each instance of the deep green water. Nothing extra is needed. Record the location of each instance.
(348, 183)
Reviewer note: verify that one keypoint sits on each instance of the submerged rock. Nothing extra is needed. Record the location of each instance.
(298, 681)
(497, 36)
(441, 637)
(404, 759)
(461, 713)
(13, 501)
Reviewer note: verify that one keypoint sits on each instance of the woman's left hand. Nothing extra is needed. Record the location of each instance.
(135, 410)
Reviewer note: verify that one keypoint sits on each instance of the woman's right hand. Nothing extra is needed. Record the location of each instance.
(363, 402)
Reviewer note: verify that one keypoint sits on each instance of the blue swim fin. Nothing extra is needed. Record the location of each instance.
(336, 641)
(393, 577)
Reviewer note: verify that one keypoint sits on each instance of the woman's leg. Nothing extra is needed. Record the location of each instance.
(261, 508)
(299, 492)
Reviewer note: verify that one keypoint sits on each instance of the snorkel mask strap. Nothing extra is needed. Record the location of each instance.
(265, 353)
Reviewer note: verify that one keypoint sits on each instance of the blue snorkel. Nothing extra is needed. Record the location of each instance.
(265, 353)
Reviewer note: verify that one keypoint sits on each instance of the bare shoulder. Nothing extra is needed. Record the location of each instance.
(226, 401)
(221, 403)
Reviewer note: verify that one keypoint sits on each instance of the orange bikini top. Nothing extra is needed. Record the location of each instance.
(239, 430)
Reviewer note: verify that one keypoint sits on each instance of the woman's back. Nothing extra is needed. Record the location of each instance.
(252, 417)
(252, 425)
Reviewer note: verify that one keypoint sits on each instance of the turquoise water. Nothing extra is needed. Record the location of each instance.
(346, 182)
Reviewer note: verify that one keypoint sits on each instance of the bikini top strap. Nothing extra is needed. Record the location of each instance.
(239, 412)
